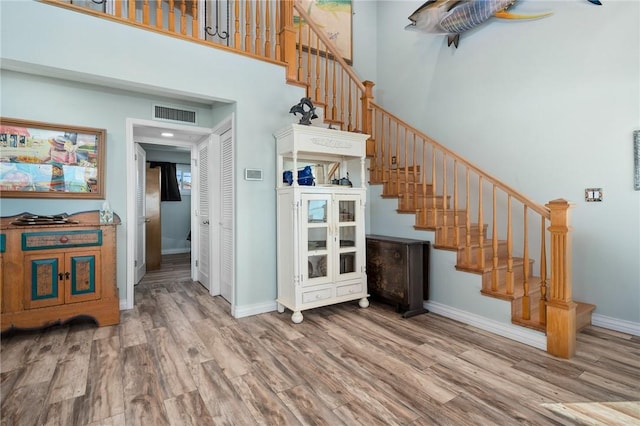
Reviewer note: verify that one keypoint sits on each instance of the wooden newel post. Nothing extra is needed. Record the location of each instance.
(367, 119)
(288, 38)
(561, 310)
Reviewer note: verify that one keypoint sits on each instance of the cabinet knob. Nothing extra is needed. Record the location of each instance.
(64, 239)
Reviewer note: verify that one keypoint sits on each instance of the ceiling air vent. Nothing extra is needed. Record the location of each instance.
(176, 115)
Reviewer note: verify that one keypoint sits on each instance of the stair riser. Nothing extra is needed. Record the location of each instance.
(448, 238)
(408, 201)
(503, 252)
(393, 190)
(416, 188)
(518, 275)
(429, 221)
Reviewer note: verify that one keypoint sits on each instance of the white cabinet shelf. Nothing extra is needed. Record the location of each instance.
(321, 235)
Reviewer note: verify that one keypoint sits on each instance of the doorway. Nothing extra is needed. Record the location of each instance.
(205, 189)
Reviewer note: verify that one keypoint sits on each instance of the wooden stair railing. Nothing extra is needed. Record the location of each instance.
(495, 231)
(483, 219)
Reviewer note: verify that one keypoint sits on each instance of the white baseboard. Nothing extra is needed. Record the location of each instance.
(248, 310)
(519, 334)
(176, 250)
(123, 304)
(616, 324)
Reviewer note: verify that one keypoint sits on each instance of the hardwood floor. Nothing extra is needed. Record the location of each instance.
(179, 358)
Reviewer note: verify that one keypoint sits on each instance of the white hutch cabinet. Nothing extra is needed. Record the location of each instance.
(321, 237)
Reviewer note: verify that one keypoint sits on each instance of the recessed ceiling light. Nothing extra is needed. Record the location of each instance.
(167, 134)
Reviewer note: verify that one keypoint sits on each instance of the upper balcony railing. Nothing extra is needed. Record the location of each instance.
(248, 27)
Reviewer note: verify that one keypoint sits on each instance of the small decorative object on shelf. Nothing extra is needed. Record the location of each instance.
(307, 115)
(39, 220)
(106, 214)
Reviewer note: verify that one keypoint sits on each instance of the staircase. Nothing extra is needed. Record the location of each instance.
(503, 276)
(496, 232)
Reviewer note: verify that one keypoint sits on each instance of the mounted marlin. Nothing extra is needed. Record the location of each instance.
(453, 17)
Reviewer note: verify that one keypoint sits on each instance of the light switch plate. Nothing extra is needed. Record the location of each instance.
(593, 194)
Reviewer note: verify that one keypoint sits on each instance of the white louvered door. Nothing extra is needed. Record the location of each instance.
(203, 214)
(140, 239)
(226, 215)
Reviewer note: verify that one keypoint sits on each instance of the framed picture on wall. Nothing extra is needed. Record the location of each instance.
(43, 160)
(334, 17)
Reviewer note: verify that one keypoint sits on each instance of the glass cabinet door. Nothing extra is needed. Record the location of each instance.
(347, 212)
(316, 238)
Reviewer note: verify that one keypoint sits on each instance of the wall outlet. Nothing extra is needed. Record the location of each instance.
(393, 160)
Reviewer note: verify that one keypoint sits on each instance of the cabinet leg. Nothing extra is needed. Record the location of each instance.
(280, 308)
(296, 317)
(364, 302)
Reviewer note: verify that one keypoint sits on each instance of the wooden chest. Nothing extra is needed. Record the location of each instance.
(398, 272)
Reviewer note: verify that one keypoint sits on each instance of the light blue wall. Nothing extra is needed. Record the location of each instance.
(549, 107)
(104, 53)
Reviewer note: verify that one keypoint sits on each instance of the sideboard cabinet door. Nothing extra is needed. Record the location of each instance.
(44, 280)
(83, 278)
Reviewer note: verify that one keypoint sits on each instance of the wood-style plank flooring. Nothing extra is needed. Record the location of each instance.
(179, 358)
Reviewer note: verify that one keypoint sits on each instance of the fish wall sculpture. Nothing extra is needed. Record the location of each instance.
(454, 17)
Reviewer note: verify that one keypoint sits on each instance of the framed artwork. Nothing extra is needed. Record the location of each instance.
(334, 16)
(42, 160)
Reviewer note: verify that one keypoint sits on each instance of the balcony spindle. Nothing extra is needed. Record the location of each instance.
(526, 305)
(434, 206)
(480, 259)
(494, 243)
(543, 273)
(509, 277)
(145, 12)
(247, 26)
(456, 219)
(158, 14)
(467, 243)
(267, 30)
(236, 32)
(434, 185)
(183, 17)
(258, 38)
(172, 15)
(195, 27)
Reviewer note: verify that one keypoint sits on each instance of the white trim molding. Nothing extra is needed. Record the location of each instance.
(616, 324)
(255, 309)
(519, 334)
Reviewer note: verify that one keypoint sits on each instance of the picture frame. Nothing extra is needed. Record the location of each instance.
(335, 16)
(45, 160)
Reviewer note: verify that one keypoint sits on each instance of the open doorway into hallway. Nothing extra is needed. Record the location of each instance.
(210, 230)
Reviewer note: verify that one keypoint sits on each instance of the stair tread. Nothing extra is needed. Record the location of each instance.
(534, 284)
(502, 264)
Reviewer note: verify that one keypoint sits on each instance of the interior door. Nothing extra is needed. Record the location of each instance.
(140, 267)
(203, 214)
(226, 215)
(153, 228)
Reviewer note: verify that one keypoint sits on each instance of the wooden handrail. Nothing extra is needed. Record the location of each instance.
(538, 208)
